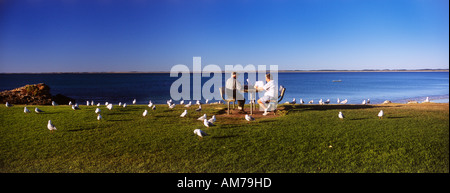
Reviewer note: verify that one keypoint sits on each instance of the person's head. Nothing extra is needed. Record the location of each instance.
(268, 77)
(234, 74)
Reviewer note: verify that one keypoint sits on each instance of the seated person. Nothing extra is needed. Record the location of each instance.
(270, 93)
(234, 89)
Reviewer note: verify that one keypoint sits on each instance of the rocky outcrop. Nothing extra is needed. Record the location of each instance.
(34, 94)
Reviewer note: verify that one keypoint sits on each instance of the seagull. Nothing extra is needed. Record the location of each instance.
(53, 103)
(181, 102)
(99, 117)
(150, 104)
(124, 105)
(199, 108)
(87, 103)
(134, 101)
(338, 101)
(427, 100)
(109, 106)
(249, 118)
(202, 118)
(344, 101)
(184, 113)
(120, 103)
(207, 123)
(320, 102)
(364, 102)
(154, 107)
(106, 103)
(380, 114)
(172, 106)
(311, 102)
(169, 102)
(198, 102)
(92, 103)
(327, 102)
(8, 105)
(75, 107)
(188, 105)
(25, 110)
(98, 104)
(301, 101)
(213, 119)
(293, 102)
(341, 116)
(97, 110)
(207, 100)
(145, 113)
(200, 133)
(70, 102)
(368, 101)
(38, 110)
(50, 126)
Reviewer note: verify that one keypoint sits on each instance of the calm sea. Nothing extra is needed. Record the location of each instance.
(354, 86)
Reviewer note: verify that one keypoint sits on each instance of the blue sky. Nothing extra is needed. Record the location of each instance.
(144, 35)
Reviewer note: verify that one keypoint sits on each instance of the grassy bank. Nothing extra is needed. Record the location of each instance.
(302, 138)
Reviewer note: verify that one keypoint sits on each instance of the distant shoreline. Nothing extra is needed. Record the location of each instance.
(280, 71)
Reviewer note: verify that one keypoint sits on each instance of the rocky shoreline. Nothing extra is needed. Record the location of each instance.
(33, 94)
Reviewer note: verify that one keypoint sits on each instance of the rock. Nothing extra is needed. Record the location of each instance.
(387, 102)
(412, 102)
(34, 94)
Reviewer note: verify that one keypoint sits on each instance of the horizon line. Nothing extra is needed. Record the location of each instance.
(282, 71)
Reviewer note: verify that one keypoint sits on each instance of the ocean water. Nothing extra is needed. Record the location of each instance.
(354, 86)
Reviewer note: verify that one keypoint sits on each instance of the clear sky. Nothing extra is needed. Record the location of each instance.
(151, 35)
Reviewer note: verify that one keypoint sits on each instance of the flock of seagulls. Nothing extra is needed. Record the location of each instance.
(206, 122)
(321, 102)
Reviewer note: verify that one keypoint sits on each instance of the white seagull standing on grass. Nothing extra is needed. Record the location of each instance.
(207, 123)
(145, 113)
(293, 101)
(341, 116)
(97, 110)
(188, 105)
(202, 118)
(134, 101)
(213, 119)
(199, 108)
(109, 106)
(38, 110)
(8, 105)
(301, 101)
(99, 117)
(184, 113)
(249, 118)
(25, 110)
(200, 133)
(380, 114)
(50, 126)
(53, 103)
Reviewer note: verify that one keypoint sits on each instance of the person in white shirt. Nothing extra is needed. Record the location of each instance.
(234, 89)
(270, 93)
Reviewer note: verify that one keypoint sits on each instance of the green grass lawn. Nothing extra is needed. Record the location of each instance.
(301, 139)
